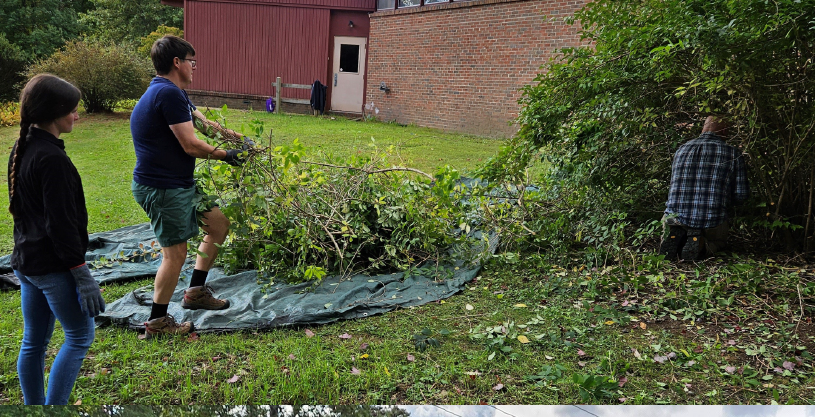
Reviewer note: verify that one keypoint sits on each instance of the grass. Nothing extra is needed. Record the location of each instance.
(593, 335)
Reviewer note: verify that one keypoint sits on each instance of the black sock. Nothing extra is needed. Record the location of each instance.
(158, 310)
(199, 278)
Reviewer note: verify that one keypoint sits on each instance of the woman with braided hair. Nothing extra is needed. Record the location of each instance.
(50, 240)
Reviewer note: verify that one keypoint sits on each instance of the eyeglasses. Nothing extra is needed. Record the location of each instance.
(192, 61)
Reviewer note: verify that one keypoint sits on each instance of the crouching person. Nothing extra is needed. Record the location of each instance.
(708, 176)
(163, 183)
(47, 203)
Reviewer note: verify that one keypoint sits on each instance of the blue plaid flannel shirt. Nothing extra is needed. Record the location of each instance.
(707, 176)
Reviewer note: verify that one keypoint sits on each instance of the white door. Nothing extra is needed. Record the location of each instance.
(348, 78)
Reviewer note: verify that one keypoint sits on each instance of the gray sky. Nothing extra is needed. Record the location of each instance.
(609, 411)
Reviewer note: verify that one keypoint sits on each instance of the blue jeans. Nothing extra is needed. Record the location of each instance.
(44, 299)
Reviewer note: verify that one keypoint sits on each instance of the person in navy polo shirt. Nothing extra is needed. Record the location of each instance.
(163, 184)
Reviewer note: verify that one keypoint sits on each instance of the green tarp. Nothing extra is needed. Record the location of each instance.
(116, 244)
(251, 308)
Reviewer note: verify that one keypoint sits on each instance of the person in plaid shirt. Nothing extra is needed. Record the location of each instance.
(708, 176)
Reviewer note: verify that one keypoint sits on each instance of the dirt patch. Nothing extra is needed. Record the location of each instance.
(733, 335)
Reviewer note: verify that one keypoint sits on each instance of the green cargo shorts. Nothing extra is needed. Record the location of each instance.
(172, 212)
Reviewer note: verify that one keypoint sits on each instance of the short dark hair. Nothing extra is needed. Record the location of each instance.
(167, 48)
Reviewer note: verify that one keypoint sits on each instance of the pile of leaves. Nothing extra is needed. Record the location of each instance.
(300, 220)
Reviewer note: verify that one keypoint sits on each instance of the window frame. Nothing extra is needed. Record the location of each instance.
(396, 5)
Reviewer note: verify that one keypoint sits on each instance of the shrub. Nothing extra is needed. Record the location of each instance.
(9, 113)
(147, 41)
(104, 73)
(609, 115)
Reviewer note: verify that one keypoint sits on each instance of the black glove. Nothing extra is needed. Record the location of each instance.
(248, 143)
(90, 297)
(234, 157)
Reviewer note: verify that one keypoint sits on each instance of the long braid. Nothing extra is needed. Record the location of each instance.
(19, 148)
(44, 99)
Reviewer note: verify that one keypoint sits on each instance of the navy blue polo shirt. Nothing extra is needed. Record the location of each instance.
(160, 160)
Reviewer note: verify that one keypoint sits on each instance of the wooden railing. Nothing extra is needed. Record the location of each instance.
(279, 85)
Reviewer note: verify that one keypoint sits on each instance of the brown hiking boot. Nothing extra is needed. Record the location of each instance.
(196, 298)
(165, 325)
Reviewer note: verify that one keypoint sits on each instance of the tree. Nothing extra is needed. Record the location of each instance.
(12, 61)
(39, 27)
(104, 73)
(147, 41)
(609, 115)
(129, 20)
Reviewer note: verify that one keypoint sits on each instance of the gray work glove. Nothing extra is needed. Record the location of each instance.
(90, 297)
(234, 157)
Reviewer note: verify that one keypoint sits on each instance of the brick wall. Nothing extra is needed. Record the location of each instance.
(459, 66)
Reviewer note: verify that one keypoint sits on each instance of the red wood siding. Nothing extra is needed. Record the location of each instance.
(241, 48)
(368, 5)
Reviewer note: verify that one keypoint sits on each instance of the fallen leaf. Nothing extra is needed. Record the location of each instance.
(581, 363)
(520, 305)
(731, 342)
(292, 357)
(285, 370)
(660, 359)
(192, 337)
(636, 353)
(672, 355)
(622, 381)
(411, 358)
(643, 326)
(625, 303)
(309, 333)
(363, 346)
(385, 368)
(691, 363)
(730, 369)
(609, 322)
(234, 379)
(364, 356)
(698, 349)
(498, 387)
(580, 352)
(355, 371)
(788, 365)
(78, 402)
(345, 336)
(468, 307)
(457, 390)
(778, 370)
(622, 399)
(548, 357)
(523, 339)
(216, 358)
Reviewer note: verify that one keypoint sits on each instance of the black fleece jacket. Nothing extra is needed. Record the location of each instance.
(51, 224)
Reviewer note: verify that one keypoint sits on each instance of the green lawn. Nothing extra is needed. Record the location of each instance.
(581, 327)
